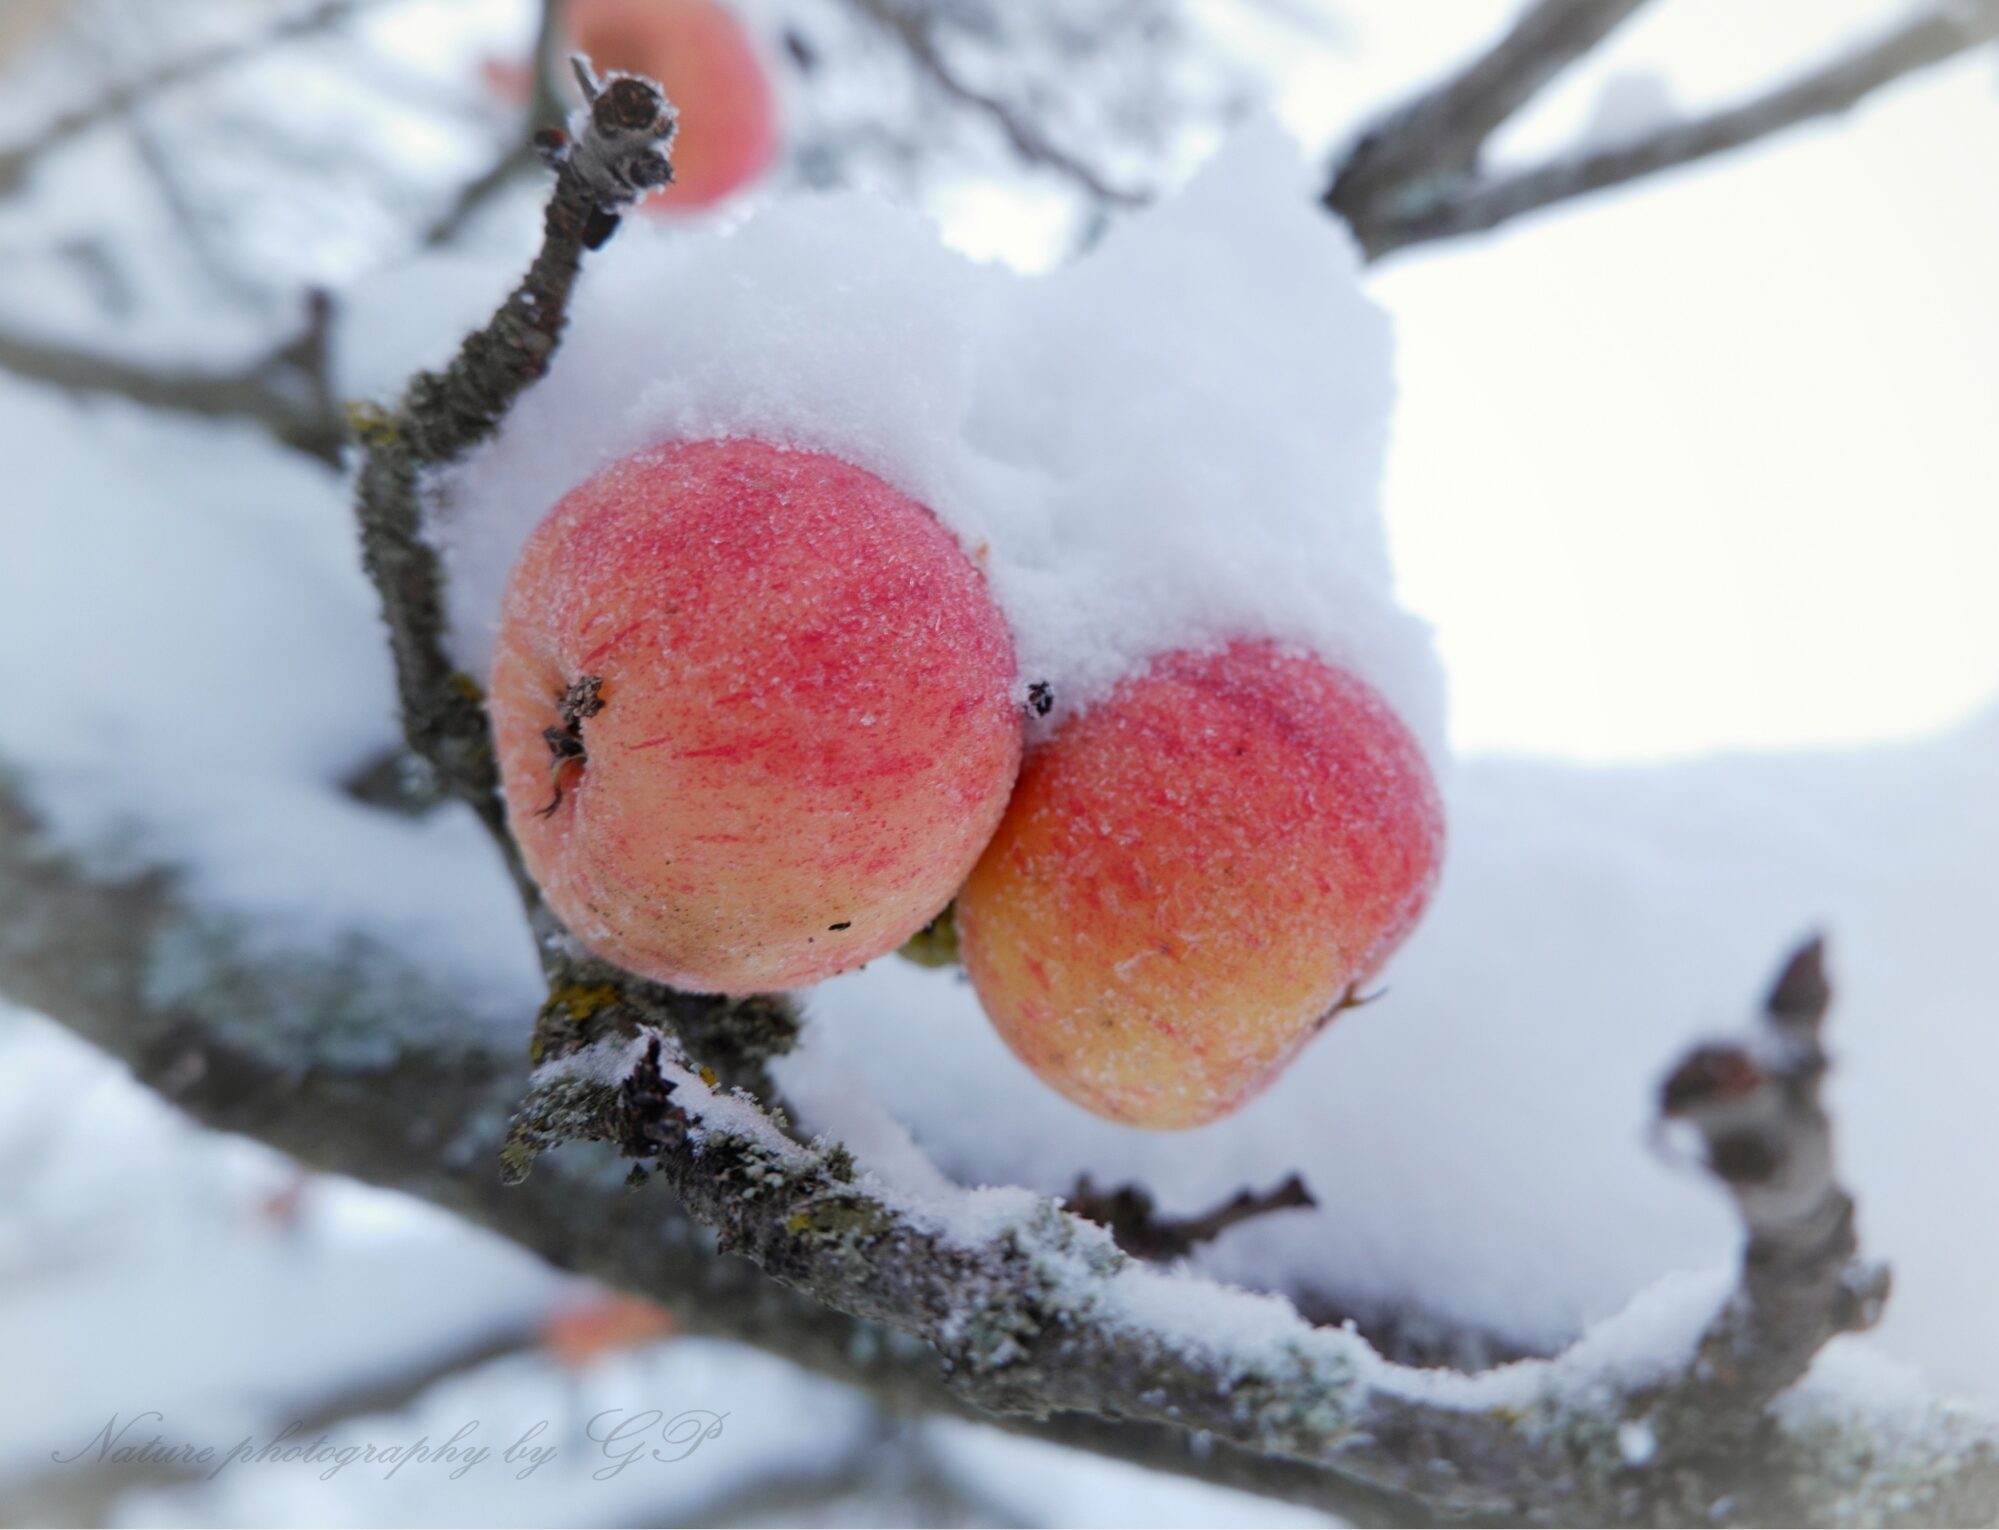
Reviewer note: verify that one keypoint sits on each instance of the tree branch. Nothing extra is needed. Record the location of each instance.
(1132, 1218)
(252, 1039)
(441, 417)
(910, 26)
(288, 391)
(1765, 1135)
(444, 415)
(1406, 182)
(1441, 132)
(544, 111)
(16, 162)
(1039, 1316)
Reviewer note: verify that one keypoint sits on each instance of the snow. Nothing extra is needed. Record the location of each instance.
(197, 662)
(1116, 519)
(600, 1433)
(145, 1267)
(1476, 1138)
(210, 672)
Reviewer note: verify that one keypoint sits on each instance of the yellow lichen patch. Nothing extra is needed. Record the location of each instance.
(579, 1001)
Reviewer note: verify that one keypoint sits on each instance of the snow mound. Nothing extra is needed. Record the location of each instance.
(1173, 442)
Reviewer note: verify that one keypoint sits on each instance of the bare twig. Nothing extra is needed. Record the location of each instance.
(910, 25)
(288, 391)
(1765, 1135)
(1417, 198)
(444, 415)
(622, 154)
(545, 110)
(1131, 1216)
(513, 162)
(120, 98)
(200, 232)
(1440, 133)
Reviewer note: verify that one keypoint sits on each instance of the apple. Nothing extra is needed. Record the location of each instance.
(754, 714)
(1194, 875)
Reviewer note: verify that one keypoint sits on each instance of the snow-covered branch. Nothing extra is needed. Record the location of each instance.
(1035, 1311)
(356, 1060)
(1415, 177)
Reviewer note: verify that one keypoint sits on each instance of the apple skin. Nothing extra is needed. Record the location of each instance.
(1192, 876)
(711, 70)
(807, 731)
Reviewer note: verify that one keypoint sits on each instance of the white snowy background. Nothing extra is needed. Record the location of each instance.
(1694, 485)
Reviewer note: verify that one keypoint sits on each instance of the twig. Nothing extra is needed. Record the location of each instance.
(475, 195)
(910, 26)
(1130, 1215)
(1441, 132)
(120, 98)
(442, 416)
(1419, 200)
(289, 390)
(544, 111)
(1765, 1135)
(188, 218)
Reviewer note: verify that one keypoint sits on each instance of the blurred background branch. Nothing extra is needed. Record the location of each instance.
(1416, 176)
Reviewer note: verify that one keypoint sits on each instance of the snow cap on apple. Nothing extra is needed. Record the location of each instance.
(1163, 459)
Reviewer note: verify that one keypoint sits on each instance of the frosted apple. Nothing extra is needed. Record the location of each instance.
(1193, 874)
(754, 714)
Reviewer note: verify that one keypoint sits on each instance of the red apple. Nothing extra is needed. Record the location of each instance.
(754, 714)
(1193, 875)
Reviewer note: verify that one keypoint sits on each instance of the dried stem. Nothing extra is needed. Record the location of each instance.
(1131, 1216)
